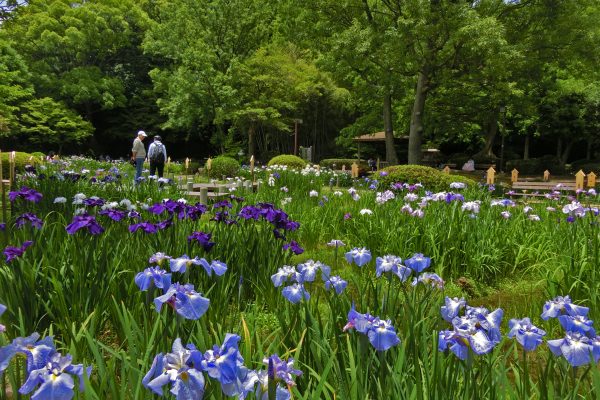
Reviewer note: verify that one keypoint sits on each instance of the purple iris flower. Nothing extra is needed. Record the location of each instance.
(226, 365)
(94, 202)
(203, 240)
(36, 351)
(147, 227)
(261, 392)
(153, 276)
(308, 270)
(164, 224)
(488, 321)
(134, 215)
(26, 194)
(360, 256)
(158, 258)
(11, 252)
(382, 335)
(453, 341)
(282, 370)
(195, 212)
(216, 266)
(115, 215)
(31, 217)
(176, 368)
(337, 283)
(576, 348)
(418, 262)
(84, 221)
(157, 208)
(222, 204)
(294, 247)
(185, 301)
(361, 322)
(527, 334)
(2, 310)
(54, 381)
(560, 306)
(250, 212)
(452, 307)
(295, 293)
(2, 226)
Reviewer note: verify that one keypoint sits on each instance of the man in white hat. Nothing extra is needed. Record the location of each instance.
(138, 153)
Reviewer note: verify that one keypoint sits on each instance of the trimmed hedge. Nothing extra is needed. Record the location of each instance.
(535, 166)
(287, 159)
(431, 178)
(21, 160)
(223, 165)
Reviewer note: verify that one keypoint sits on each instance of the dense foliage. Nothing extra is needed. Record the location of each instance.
(288, 160)
(220, 77)
(223, 166)
(427, 176)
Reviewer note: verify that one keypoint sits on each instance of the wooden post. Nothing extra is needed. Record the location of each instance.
(11, 167)
(446, 170)
(354, 170)
(3, 190)
(222, 189)
(514, 175)
(337, 181)
(591, 179)
(579, 177)
(491, 173)
(190, 186)
(343, 167)
(208, 167)
(252, 167)
(378, 162)
(187, 166)
(546, 175)
(204, 195)
(168, 165)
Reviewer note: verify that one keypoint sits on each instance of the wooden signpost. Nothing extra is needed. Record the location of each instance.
(579, 177)
(591, 180)
(446, 170)
(252, 167)
(514, 175)
(546, 175)
(491, 175)
(208, 167)
(343, 167)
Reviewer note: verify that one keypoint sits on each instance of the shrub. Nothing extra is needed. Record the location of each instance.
(586, 165)
(224, 166)
(287, 159)
(534, 166)
(431, 178)
(21, 160)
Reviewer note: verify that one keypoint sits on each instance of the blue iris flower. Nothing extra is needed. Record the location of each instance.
(431, 279)
(36, 351)
(262, 389)
(284, 274)
(389, 263)
(527, 334)
(488, 321)
(226, 365)
(578, 323)
(153, 276)
(295, 293)
(452, 308)
(176, 368)
(308, 270)
(361, 322)
(382, 335)
(418, 262)
(576, 348)
(182, 263)
(55, 379)
(560, 306)
(360, 256)
(216, 266)
(337, 283)
(185, 300)
(453, 341)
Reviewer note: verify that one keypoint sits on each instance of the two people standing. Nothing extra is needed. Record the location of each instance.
(157, 154)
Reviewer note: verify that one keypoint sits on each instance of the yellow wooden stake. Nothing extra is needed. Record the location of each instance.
(343, 167)
(514, 175)
(354, 170)
(491, 175)
(446, 170)
(579, 177)
(591, 182)
(546, 175)
(378, 161)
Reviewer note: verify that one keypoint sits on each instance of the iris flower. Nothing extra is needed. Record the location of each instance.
(294, 247)
(434, 280)
(387, 263)
(360, 256)
(147, 227)
(26, 194)
(182, 263)
(418, 262)
(226, 364)
(575, 347)
(55, 379)
(382, 335)
(11, 252)
(203, 239)
(153, 276)
(185, 301)
(295, 293)
(308, 270)
(284, 274)
(31, 217)
(452, 307)
(527, 334)
(176, 368)
(84, 221)
(560, 306)
(336, 283)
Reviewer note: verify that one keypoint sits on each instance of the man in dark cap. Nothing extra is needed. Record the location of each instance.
(157, 155)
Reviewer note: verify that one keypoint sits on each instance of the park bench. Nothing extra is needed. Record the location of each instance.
(536, 187)
(214, 191)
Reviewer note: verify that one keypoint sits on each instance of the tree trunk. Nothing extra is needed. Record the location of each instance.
(390, 150)
(559, 148)
(526, 148)
(588, 149)
(564, 157)
(415, 136)
(251, 140)
(490, 136)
